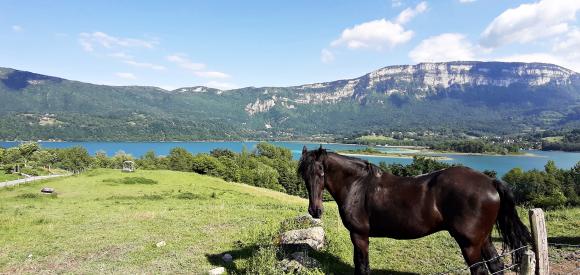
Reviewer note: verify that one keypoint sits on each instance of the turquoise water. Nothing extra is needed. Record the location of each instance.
(501, 164)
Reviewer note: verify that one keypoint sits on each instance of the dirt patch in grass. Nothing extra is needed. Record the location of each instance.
(131, 180)
(190, 196)
(28, 196)
(37, 196)
(153, 197)
(142, 216)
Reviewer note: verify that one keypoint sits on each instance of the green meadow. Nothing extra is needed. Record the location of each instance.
(8, 177)
(105, 221)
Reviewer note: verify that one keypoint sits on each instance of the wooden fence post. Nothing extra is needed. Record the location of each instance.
(540, 238)
(528, 263)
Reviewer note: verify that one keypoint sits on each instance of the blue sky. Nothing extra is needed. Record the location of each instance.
(229, 44)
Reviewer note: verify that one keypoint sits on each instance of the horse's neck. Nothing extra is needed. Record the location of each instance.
(341, 179)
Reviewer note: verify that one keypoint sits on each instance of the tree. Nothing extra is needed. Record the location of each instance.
(219, 152)
(180, 159)
(101, 160)
(232, 171)
(273, 152)
(148, 161)
(207, 165)
(74, 159)
(119, 158)
(13, 160)
(27, 149)
(420, 165)
(45, 158)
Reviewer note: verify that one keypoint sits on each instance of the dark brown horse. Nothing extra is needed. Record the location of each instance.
(460, 200)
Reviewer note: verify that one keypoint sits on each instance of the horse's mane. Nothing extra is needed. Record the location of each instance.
(306, 167)
(371, 168)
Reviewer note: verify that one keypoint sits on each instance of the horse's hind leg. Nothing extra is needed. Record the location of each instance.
(472, 253)
(495, 263)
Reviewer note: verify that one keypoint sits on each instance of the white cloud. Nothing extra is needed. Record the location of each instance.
(144, 65)
(90, 40)
(466, 1)
(211, 74)
(530, 22)
(183, 62)
(121, 55)
(128, 76)
(87, 47)
(221, 85)
(376, 34)
(396, 3)
(543, 58)
(564, 52)
(381, 33)
(443, 47)
(326, 56)
(569, 45)
(17, 28)
(407, 14)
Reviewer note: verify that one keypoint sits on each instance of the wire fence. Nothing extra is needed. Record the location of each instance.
(510, 267)
(461, 270)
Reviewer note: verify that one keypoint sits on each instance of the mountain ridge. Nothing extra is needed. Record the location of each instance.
(421, 64)
(486, 97)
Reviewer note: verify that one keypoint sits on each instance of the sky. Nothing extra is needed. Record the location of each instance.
(232, 44)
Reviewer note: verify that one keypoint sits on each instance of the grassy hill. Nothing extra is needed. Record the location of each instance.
(105, 221)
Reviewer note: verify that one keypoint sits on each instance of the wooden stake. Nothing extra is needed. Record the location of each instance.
(528, 263)
(540, 237)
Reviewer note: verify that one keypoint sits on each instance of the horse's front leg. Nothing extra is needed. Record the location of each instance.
(361, 253)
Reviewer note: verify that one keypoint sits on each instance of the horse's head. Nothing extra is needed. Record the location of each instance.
(311, 169)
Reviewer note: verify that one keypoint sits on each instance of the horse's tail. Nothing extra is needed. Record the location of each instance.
(513, 232)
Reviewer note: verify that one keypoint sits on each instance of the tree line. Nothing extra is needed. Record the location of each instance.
(272, 167)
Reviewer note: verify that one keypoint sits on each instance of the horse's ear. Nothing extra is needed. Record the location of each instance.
(321, 151)
(304, 150)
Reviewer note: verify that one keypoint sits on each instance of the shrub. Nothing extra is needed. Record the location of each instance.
(207, 165)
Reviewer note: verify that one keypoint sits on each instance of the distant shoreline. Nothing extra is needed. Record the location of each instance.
(422, 149)
(392, 155)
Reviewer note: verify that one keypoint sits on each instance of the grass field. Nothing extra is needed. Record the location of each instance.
(107, 221)
(553, 139)
(375, 138)
(7, 177)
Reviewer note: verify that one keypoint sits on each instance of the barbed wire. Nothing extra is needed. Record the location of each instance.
(507, 268)
(453, 271)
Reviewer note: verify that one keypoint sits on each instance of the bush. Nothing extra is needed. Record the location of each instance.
(179, 159)
(551, 188)
(207, 165)
(420, 165)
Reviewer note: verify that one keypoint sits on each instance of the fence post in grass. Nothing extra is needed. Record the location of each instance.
(540, 238)
(528, 263)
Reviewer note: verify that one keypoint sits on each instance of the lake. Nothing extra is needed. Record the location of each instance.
(501, 164)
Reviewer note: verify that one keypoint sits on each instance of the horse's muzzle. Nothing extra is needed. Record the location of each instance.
(315, 212)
